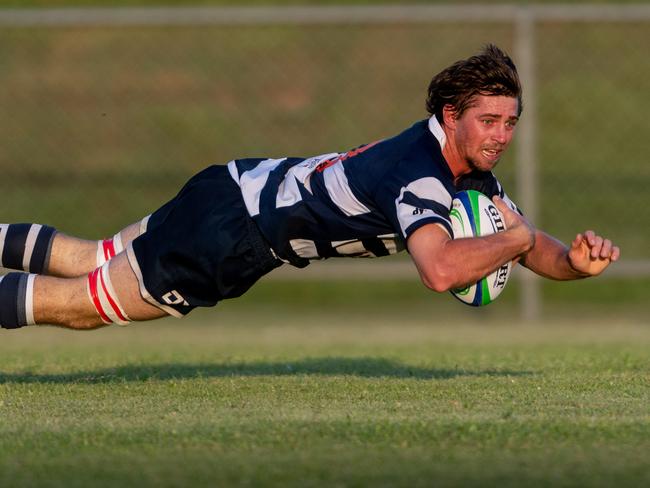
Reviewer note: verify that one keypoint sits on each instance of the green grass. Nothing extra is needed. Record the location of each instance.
(251, 395)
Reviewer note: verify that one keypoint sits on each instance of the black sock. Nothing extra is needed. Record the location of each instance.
(16, 300)
(26, 246)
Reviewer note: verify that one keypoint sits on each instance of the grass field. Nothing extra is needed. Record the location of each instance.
(263, 392)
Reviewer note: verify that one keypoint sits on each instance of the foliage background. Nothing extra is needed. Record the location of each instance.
(101, 125)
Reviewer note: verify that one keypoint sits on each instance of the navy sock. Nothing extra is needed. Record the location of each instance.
(16, 300)
(26, 246)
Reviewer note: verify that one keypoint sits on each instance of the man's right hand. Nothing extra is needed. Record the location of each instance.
(517, 224)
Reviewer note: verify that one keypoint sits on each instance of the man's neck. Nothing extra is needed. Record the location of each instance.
(456, 163)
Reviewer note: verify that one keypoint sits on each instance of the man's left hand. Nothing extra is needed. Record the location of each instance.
(590, 254)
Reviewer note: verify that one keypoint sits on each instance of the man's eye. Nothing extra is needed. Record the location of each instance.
(511, 123)
(487, 121)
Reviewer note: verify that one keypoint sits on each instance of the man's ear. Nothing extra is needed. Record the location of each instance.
(449, 116)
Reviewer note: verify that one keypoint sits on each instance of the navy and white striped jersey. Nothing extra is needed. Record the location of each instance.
(364, 203)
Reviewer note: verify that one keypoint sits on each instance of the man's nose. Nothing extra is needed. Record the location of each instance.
(501, 135)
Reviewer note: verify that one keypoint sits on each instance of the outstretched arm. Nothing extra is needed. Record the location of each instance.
(588, 255)
(445, 263)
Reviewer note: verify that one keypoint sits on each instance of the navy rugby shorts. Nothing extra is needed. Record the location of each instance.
(201, 247)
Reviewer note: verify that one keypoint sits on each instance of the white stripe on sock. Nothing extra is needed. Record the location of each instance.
(3, 234)
(29, 300)
(30, 243)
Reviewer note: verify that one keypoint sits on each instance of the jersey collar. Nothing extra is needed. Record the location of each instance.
(437, 131)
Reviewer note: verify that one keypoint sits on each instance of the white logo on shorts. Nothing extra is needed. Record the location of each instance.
(174, 298)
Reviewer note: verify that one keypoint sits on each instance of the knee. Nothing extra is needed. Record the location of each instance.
(86, 324)
(82, 323)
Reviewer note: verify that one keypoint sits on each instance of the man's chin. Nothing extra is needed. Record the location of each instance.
(484, 166)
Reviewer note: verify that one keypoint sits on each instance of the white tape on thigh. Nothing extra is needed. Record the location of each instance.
(103, 296)
(117, 243)
(108, 249)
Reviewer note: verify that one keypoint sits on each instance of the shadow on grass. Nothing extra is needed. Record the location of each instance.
(327, 366)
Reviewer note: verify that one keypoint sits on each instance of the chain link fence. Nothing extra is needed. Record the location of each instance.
(103, 120)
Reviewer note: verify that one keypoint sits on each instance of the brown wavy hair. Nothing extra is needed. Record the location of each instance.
(491, 72)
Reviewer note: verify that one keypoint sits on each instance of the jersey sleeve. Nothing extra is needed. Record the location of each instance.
(410, 203)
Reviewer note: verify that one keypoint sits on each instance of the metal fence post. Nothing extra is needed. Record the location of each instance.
(526, 151)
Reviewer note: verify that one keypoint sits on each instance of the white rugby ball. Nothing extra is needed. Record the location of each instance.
(473, 215)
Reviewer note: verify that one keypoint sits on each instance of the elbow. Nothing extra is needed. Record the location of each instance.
(437, 279)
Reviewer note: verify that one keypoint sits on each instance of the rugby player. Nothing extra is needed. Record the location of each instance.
(231, 224)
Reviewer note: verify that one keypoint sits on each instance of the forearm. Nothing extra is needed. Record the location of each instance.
(469, 260)
(549, 258)
(445, 263)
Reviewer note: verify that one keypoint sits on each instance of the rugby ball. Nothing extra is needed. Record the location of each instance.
(473, 215)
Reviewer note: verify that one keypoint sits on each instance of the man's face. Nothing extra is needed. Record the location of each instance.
(485, 130)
